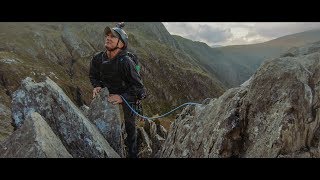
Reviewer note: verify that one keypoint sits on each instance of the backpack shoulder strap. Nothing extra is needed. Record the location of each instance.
(98, 57)
(134, 58)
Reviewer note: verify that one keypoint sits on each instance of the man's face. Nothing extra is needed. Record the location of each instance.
(111, 41)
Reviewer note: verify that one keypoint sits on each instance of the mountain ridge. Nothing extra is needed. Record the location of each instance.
(235, 64)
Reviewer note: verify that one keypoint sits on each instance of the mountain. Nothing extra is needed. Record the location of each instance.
(63, 51)
(44, 85)
(215, 46)
(174, 70)
(235, 64)
(273, 114)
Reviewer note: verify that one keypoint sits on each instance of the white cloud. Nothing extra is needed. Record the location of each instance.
(204, 32)
(232, 33)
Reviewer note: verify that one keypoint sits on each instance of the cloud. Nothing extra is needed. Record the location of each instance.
(232, 33)
(211, 34)
(278, 29)
(199, 32)
(182, 29)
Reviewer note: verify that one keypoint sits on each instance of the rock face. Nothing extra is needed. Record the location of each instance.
(106, 117)
(48, 124)
(85, 110)
(274, 114)
(34, 139)
(79, 136)
(150, 139)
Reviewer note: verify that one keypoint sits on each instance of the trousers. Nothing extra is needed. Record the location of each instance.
(130, 127)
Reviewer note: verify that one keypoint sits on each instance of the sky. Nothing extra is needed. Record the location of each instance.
(236, 33)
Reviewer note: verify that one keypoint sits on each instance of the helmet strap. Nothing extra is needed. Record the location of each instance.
(113, 49)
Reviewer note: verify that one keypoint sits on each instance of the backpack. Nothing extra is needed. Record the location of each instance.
(135, 59)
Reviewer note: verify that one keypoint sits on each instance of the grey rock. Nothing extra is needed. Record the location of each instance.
(80, 137)
(85, 110)
(34, 139)
(106, 117)
(161, 131)
(150, 139)
(207, 101)
(145, 144)
(304, 50)
(274, 114)
(209, 131)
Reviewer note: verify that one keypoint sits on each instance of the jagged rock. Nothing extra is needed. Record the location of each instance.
(145, 144)
(34, 139)
(161, 131)
(304, 50)
(151, 138)
(80, 137)
(106, 117)
(274, 114)
(204, 131)
(85, 110)
(207, 101)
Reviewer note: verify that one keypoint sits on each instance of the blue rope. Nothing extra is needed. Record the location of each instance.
(145, 117)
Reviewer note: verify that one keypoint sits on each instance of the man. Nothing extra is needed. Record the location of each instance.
(115, 70)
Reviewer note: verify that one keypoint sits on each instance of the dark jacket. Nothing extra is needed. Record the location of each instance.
(119, 75)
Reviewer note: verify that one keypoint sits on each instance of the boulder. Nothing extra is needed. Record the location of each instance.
(106, 117)
(34, 139)
(80, 137)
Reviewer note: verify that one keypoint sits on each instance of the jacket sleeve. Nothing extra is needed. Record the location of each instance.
(136, 88)
(94, 73)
